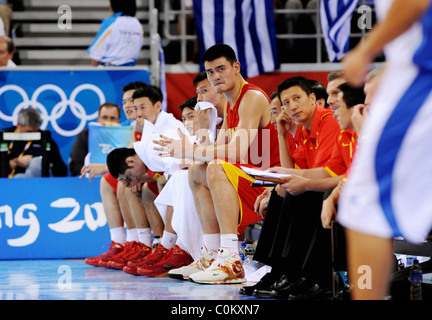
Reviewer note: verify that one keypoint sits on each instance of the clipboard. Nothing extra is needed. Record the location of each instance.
(264, 178)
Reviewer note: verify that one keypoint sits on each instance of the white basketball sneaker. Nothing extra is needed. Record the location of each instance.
(206, 259)
(226, 269)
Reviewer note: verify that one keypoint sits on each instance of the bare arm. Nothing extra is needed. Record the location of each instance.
(138, 127)
(297, 184)
(313, 173)
(252, 109)
(223, 135)
(400, 18)
(328, 211)
(284, 126)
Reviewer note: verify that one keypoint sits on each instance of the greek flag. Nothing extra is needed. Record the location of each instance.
(246, 25)
(336, 26)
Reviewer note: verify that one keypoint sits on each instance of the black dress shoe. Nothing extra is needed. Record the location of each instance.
(266, 292)
(265, 281)
(311, 293)
(298, 286)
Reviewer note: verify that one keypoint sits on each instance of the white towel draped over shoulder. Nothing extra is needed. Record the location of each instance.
(167, 125)
(213, 117)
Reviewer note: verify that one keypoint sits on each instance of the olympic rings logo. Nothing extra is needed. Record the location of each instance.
(58, 110)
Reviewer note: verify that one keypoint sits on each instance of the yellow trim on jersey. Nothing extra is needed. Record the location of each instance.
(240, 91)
(330, 172)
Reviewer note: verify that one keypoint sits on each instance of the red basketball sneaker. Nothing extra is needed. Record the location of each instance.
(155, 256)
(132, 265)
(114, 249)
(131, 251)
(176, 257)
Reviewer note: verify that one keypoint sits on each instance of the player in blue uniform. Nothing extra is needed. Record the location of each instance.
(387, 193)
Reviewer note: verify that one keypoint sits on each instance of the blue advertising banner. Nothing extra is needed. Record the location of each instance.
(67, 99)
(51, 218)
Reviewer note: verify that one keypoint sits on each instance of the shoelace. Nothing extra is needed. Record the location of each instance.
(216, 263)
(219, 261)
(133, 251)
(199, 264)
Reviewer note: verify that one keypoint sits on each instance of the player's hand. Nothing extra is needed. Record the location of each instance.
(93, 170)
(295, 184)
(284, 123)
(356, 63)
(139, 125)
(177, 148)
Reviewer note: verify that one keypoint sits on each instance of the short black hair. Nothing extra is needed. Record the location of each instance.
(134, 85)
(219, 50)
(199, 77)
(352, 95)
(302, 82)
(151, 92)
(319, 90)
(158, 90)
(273, 95)
(189, 103)
(126, 7)
(116, 161)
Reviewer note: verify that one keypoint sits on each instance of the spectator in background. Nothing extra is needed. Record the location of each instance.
(7, 50)
(5, 17)
(120, 37)
(108, 112)
(25, 156)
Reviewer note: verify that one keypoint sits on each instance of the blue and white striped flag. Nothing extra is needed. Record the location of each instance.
(336, 26)
(245, 25)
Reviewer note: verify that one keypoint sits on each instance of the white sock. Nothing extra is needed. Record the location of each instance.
(131, 235)
(118, 235)
(230, 242)
(212, 241)
(168, 239)
(145, 236)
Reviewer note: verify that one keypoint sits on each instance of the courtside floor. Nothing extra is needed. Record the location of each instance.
(75, 280)
(26, 286)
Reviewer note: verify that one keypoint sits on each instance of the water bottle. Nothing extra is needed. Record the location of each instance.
(416, 282)
(242, 252)
(156, 241)
(249, 251)
(249, 263)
